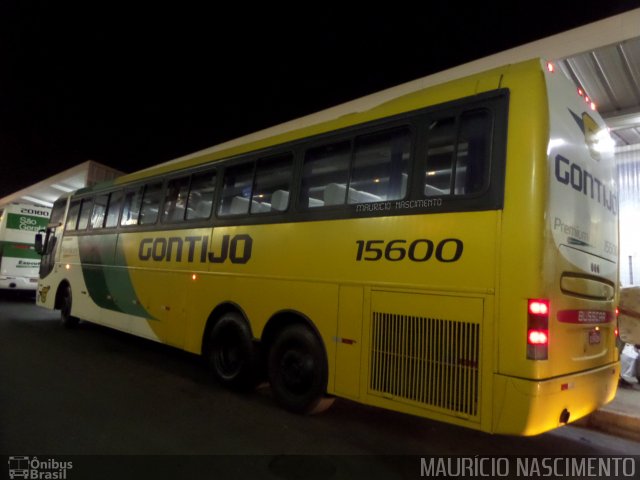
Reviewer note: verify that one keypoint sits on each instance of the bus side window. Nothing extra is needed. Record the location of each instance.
(85, 213)
(201, 195)
(72, 216)
(458, 155)
(325, 175)
(57, 212)
(272, 184)
(473, 152)
(131, 207)
(175, 200)
(150, 203)
(380, 167)
(236, 191)
(99, 210)
(113, 210)
(440, 143)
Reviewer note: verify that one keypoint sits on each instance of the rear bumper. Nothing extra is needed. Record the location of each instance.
(18, 283)
(530, 407)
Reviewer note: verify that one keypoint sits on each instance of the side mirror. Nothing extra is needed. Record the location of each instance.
(38, 245)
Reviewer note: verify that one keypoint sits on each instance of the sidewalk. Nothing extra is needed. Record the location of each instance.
(620, 417)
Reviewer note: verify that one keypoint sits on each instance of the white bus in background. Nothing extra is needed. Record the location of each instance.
(19, 262)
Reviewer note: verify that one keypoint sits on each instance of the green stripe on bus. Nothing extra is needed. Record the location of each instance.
(109, 287)
(18, 250)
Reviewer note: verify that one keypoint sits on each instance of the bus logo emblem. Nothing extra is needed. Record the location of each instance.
(18, 467)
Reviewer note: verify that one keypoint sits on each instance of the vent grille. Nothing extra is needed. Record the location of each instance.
(426, 360)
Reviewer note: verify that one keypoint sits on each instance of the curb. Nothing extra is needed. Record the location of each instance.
(613, 423)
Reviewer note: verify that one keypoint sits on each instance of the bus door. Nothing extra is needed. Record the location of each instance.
(47, 241)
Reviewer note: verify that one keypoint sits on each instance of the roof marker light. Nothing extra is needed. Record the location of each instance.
(551, 67)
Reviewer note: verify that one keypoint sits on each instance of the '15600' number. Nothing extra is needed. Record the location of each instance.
(420, 250)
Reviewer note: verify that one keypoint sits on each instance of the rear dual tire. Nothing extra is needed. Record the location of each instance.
(297, 370)
(296, 363)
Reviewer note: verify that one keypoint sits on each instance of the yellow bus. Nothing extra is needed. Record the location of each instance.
(449, 252)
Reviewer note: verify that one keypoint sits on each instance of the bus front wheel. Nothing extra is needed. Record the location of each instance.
(231, 353)
(68, 321)
(298, 370)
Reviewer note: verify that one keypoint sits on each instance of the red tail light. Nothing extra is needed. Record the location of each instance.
(538, 329)
(538, 337)
(538, 307)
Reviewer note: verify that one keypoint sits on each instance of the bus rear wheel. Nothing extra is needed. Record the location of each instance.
(67, 320)
(297, 370)
(231, 354)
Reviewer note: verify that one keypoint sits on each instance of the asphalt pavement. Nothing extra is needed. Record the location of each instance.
(97, 392)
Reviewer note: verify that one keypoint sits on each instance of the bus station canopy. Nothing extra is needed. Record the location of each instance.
(46, 191)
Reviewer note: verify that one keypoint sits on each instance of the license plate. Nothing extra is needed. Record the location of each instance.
(594, 337)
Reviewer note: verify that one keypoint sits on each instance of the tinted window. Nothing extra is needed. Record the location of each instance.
(150, 204)
(131, 207)
(236, 191)
(380, 167)
(99, 211)
(272, 185)
(72, 215)
(113, 210)
(57, 212)
(85, 213)
(457, 154)
(201, 195)
(325, 176)
(175, 200)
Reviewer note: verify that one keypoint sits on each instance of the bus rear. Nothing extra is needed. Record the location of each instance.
(567, 359)
(19, 261)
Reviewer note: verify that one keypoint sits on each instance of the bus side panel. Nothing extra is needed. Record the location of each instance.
(349, 341)
(429, 354)
(161, 268)
(70, 269)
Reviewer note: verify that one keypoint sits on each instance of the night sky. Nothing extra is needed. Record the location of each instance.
(132, 87)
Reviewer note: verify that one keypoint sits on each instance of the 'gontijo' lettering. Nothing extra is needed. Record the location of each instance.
(581, 180)
(233, 248)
